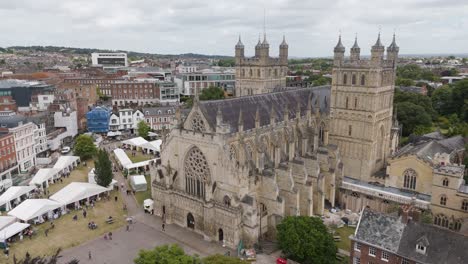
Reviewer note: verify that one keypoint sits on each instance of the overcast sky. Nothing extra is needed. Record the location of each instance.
(212, 26)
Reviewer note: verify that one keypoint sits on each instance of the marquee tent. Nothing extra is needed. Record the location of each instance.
(43, 176)
(135, 143)
(77, 191)
(13, 195)
(152, 146)
(138, 183)
(120, 154)
(6, 221)
(33, 208)
(92, 179)
(12, 230)
(66, 163)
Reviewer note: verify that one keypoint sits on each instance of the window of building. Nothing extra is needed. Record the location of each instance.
(355, 102)
(410, 179)
(353, 80)
(443, 200)
(357, 246)
(385, 255)
(464, 206)
(405, 261)
(258, 73)
(445, 182)
(350, 130)
(345, 78)
(197, 173)
(347, 102)
(441, 220)
(363, 79)
(420, 249)
(356, 260)
(227, 200)
(457, 225)
(372, 251)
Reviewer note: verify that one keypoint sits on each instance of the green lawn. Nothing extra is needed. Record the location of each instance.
(141, 196)
(138, 156)
(344, 232)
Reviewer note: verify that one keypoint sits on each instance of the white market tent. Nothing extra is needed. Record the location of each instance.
(152, 146)
(77, 191)
(12, 230)
(120, 154)
(114, 133)
(92, 179)
(43, 176)
(135, 143)
(13, 195)
(6, 221)
(33, 208)
(137, 165)
(66, 163)
(138, 183)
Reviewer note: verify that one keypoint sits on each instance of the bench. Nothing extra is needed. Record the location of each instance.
(110, 221)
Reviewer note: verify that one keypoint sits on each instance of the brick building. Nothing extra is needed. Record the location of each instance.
(160, 117)
(133, 93)
(7, 104)
(384, 239)
(8, 162)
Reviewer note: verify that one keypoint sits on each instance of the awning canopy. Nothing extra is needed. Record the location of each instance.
(14, 192)
(65, 161)
(44, 175)
(6, 221)
(153, 145)
(137, 142)
(124, 160)
(77, 191)
(114, 133)
(137, 165)
(32, 208)
(12, 230)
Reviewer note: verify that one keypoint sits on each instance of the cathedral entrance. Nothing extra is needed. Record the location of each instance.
(190, 221)
(220, 234)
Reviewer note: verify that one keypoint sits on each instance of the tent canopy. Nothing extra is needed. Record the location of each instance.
(12, 230)
(154, 145)
(65, 161)
(124, 160)
(77, 191)
(137, 142)
(44, 175)
(15, 192)
(32, 208)
(138, 183)
(6, 220)
(137, 165)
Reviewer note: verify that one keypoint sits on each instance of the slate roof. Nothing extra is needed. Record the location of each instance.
(12, 121)
(380, 230)
(428, 148)
(230, 108)
(444, 246)
(154, 110)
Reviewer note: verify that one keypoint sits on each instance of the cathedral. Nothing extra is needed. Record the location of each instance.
(232, 169)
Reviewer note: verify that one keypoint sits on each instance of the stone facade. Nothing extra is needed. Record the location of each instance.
(261, 73)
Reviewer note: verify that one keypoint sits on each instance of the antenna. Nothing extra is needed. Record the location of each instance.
(264, 22)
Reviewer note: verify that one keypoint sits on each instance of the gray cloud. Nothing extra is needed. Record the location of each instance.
(212, 26)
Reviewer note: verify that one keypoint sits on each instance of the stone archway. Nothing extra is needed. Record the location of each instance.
(220, 234)
(190, 221)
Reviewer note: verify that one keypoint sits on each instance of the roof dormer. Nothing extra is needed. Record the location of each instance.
(421, 245)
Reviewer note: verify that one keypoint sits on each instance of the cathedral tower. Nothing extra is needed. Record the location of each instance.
(261, 73)
(361, 108)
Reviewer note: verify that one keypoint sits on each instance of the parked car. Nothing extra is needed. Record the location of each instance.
(65, 150)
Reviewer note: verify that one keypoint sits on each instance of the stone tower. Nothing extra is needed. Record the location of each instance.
(361, 108)
(261, 73)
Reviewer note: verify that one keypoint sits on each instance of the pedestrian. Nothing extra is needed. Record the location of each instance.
(110, 235)
(89, 254)
(46, 232)
(163, 225)
(84, 213)
(7, 252)
(115, 198)
(128, 227)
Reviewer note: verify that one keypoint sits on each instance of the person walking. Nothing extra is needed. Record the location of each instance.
(128, 227)
(89, 255)
(110, 235)
(115, 198)
(163, 225)
(7, 252)
(46, 232)
(84, 213)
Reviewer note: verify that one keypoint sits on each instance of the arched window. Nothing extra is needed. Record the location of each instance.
(350, 130)
(243, 73)
(258, 73)
(276, 72)
(355, 102)
(464, 205)
(347, 101)
(251, 73)
(321, 134)
(410, 179)
(443, 200)
(441, 220)
(363, 79)
(198, 124)
(353, 80)
(445, 182)
(263, 209)
(227, 200)
(345, 78)
(457, 225)
(197, 173)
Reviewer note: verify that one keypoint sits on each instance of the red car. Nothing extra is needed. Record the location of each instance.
(281, 261)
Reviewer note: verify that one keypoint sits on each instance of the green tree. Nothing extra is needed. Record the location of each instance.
(403, 82)
(411, 116)
(165, 254)
(84, 147)
(228, 62)
(417, 99)
(442, 100)
(211, 93)
(460, 99)
(103, 170)
(306, 240)
(322, 81)
(221, 259)
(143, 129)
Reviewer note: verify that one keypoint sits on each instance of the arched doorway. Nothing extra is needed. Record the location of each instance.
(220, 234)
(190, 221)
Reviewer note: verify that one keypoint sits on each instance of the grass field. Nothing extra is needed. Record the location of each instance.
(79, 174)
(138, 156)
(344, 233)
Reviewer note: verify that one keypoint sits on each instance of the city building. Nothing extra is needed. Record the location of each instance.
(66, 129)
(261, 73)
(8, 164)
(98, 119)
(23, 91)
(137, 93)
(182, 68)
(7, 104)
(159, 118)
(193, 82)
(40, 102)
(386, 239)
(109, 60)
(125, 119)
(40, 138)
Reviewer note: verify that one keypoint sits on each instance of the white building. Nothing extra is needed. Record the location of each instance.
(125, 119)
(109, 60)
(40, 138)
(25, 144)
(66, 122)
(191, 83)
(186, 68)
(43, 101)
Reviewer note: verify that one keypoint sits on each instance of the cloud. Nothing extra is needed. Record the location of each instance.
(212, 26)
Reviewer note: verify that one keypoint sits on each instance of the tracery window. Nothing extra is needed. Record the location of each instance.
(197, 123)
(457, 225)
(363, 79)
(441, 220)
(410, 179)
(197, 173)
(345, 78)
(232, 153)
(443, 200)
(353, 80)
(464, 206)
(445, 182)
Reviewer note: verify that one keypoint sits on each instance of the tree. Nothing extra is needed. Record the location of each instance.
(403, 82)
(229, 62)
(411, 116)
(460, 99)
(84, 147)
(212, 93)
(306, 240)
(143, 129)
(221, 259)
(165, 254)
(322, 81)
(442, 100)
(417, 99)
(103, 170)
(28, 259)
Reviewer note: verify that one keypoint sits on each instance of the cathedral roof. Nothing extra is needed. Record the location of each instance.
(266, 103)
(426, 149)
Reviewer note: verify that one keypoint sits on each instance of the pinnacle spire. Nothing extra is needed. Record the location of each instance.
(239, 43)
(284, 41)
(378, 43)
(393, 45)
(339, 46)
(355, 46)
